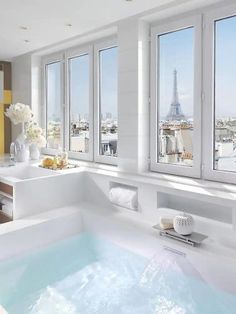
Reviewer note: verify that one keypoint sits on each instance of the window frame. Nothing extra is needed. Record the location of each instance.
(102, 45)
(92, 49)
(165, 28)
(210, 17)
(47, 60)
(70, 54)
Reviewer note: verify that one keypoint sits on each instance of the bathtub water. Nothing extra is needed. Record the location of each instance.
(86, 274)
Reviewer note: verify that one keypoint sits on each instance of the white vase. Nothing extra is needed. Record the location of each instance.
(22, 153)
(21, 137)
(34, 152)
(22, 148)
(184, 224)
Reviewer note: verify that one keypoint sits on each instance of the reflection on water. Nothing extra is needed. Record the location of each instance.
(88, 275)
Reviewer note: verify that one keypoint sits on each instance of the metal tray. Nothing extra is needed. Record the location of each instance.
(194, 239)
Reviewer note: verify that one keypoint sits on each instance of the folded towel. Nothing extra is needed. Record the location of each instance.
(124, 197)
(166, 223)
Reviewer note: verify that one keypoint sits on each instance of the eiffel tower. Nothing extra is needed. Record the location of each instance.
(175, 113)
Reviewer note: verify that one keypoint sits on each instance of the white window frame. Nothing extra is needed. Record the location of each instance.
(73, 53)
(53, 58)
(102, 45)
(209, 103)
(92, 49)
(171, 26)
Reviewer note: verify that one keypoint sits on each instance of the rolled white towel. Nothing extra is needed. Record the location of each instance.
(124, 197)
(7, 206)
(166, 223)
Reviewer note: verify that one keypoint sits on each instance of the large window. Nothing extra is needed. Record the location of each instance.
(176, 80)
(176, 103)
(106, 122)
(53, 105)
(179, 90)
(79, 104)
(219, 105)
(108, 102)
(83, 81)
(225, 95)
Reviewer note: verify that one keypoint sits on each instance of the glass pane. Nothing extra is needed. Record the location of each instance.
(175, 112)
(225, 95)
(79, 104)
(108, 102)
(53, 75)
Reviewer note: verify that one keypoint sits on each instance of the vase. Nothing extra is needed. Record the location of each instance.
(34, 152)
(22, 153)
(184, 224)
(21, 137)
(22, 148)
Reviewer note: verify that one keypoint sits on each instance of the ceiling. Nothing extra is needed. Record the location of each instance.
(27, 25)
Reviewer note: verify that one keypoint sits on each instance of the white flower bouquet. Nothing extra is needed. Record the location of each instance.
(19, 113)
(34, 135)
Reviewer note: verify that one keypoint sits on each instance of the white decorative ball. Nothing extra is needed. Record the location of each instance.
(184, 224)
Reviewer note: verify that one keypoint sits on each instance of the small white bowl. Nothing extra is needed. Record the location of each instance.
(184, 224)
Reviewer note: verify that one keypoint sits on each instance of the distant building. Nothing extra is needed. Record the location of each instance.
(108, 144)
(80, 143)
(176, 133)
(175, 112)
(108, 116)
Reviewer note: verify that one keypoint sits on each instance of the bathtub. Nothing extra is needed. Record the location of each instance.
(90, 259)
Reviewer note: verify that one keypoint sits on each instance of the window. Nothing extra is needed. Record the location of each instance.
(225, 95)
(106, 100)
(53, 105)
(71, 100)
(220, 94)
(175, 119)
(80, 104)
(176, 103)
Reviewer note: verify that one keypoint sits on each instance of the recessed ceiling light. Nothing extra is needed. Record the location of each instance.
(24, 28)
(26, 41)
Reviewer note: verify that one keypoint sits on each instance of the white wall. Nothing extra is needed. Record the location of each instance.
(21, 84)
(26, 84)
(133, 95)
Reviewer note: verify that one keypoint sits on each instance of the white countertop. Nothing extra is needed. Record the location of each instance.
(213, 192)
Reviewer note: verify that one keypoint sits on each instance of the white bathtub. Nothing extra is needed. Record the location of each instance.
(215, 263)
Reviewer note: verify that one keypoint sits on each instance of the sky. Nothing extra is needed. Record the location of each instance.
(225, 97)
(79, 85)
(176, 52)
(53, 90)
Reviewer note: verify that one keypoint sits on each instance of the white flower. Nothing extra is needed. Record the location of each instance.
(34, 135)
(19, 113)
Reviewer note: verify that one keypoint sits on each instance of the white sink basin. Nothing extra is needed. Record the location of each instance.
(25, 172)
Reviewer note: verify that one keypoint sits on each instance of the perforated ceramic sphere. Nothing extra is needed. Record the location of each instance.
(184, 224)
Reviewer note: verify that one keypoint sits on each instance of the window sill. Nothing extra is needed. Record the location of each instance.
(213, 192)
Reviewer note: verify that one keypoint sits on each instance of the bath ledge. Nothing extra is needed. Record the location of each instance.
(30, 221)
(214, 192)
(108, 219)
(225, 196)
